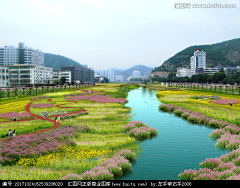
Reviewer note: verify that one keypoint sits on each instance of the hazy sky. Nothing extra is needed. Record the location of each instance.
(115, 33)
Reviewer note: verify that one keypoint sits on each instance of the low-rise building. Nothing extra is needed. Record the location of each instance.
(182, 72)
(231, 70)
(211, 71)
(23, 74)
(58, 74)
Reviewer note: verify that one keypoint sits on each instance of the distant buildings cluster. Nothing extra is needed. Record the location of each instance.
(23, 66)
(109, 74)
(198, 66)
(136, 76)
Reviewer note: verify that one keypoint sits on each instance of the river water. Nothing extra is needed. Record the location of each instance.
(179, 145)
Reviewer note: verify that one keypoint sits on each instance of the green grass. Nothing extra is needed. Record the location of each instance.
(23, 127)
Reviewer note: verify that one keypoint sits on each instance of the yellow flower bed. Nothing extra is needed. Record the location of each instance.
(68, 153)
(14, 106)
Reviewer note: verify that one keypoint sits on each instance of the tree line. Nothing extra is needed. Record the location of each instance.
(217, 78)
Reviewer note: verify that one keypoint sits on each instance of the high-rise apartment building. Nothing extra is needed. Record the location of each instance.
(136, 74)
(10, 55)
(109, 74)
(198, 61)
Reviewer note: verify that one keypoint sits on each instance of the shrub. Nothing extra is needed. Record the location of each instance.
(139, 130)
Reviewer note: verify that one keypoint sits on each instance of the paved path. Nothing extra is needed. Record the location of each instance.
(55, 123)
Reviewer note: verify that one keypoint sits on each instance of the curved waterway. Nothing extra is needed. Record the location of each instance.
(179, 145)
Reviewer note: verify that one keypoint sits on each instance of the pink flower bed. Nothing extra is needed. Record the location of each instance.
(139, 130)
(227, 167)
(19, 116)
(97, 98)
(40, 97)
(107, 169)
(224, 101)
(42, 105)
(33, 145)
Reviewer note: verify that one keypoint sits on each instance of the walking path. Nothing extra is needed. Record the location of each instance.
(55, 123)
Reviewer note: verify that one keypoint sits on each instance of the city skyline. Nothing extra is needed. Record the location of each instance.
(115, 34)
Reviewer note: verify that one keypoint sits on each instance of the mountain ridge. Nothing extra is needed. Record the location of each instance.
(226, 53)
(144, 70)
(56, 61)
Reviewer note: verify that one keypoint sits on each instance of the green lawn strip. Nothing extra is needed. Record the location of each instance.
(23, 127)
(38, 111)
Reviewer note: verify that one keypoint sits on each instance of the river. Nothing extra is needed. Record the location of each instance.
(179, 145)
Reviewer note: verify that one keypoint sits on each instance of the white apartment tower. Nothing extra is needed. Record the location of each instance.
(10, 55)
(136, 74)
(198, 61)
(109, 73)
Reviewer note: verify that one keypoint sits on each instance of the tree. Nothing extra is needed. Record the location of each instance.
(172, 77)
(106, 80)
(193, 78)
(204, 77)
(218, 77)
(62, 80)
(135, 79)
(209, 80)
(199, 78)
(56, 82)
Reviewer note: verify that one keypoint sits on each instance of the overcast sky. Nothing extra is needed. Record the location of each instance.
(115, 33)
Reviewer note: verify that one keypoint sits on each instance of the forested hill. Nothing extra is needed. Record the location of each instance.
(226, 54)
(56, 61)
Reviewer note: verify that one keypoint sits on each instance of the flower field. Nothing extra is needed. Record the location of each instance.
(83, 141)
(13, 106)
(208, 107)
(108, 169)
(35, 145)
(97, 98)
(19, 116)
(75, 153)
(214, 113)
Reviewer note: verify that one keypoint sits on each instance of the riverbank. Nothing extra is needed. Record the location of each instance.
(212, 109)
(100, 137)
